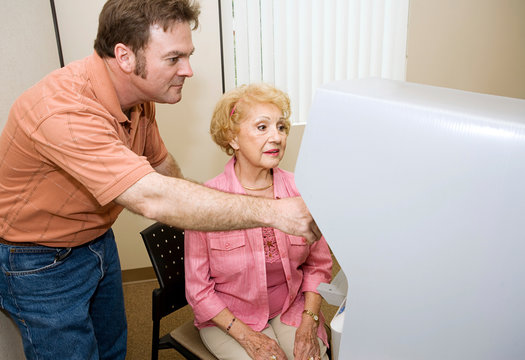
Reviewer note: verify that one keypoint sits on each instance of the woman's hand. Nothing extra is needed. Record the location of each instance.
(261, 347)
(257, 345)
(306, 345)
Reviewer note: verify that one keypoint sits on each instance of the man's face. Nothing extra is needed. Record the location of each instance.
(163, 65)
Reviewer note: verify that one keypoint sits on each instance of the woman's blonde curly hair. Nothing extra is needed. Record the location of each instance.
(235, 104)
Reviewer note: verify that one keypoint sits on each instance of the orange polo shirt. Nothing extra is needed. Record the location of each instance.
(67, 151)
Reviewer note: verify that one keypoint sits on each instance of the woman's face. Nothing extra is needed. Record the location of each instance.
(261, 140)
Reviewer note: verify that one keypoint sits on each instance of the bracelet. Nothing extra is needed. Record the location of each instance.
(230, 326)
(312, 315)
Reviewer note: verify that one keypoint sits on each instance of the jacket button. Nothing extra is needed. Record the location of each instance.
(227, 245)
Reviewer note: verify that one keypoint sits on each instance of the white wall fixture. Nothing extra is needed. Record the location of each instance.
(419, 193)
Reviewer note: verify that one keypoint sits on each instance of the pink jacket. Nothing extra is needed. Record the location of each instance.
(226, 269)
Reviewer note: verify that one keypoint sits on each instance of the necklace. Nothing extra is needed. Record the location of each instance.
(257, 189)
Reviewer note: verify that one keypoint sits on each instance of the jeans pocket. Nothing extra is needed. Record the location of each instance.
(30, 260)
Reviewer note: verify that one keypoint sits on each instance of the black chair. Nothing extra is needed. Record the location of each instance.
(165, 245)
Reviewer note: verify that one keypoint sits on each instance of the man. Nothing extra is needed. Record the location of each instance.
(77, 148)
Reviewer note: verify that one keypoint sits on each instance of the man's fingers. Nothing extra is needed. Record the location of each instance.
(314, 234)
(297, 220)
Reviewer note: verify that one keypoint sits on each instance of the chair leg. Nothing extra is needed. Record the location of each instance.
(155, 341)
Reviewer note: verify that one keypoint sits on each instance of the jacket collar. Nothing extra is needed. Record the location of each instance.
(279, 187)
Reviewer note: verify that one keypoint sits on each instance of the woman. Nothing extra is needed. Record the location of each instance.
(253, 292)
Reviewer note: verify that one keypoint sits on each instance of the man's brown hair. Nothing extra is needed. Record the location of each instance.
(128, 21)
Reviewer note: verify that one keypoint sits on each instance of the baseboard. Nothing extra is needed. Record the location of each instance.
(140, 274)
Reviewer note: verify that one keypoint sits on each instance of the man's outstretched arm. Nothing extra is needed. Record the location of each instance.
(188, 205)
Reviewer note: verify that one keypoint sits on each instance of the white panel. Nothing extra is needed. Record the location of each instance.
(28, 48)
(354, 36)
(376, 38)
(365, 37)
(341, 60)
(419, 193)
(388, 42)
(254, 44)
(310, 33)
(328, 48)
(242, 50)
(309, 58)
(392, 40)
(281, 44)
(399, 29)
(291, 72)
(267, 42)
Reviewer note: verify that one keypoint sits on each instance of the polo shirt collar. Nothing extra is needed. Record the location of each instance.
(103, 87)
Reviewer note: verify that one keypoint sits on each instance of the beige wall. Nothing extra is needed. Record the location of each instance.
(28, 48)
(474, 45)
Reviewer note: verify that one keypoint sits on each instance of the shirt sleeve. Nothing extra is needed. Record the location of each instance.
(200, 288)
(318, 266)
(88, 149)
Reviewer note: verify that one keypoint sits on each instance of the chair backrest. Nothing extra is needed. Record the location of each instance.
(165, 246)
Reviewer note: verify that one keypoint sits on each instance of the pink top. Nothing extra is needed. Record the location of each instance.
(275, 277)
(227, 269)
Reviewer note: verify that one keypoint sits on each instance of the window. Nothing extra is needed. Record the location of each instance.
(297, 45)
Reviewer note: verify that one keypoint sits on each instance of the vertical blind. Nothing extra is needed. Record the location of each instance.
(297, 45)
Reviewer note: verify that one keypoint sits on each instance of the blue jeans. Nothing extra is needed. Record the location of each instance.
(67, 302)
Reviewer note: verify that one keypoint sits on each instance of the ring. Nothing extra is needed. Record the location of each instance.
(273, 357)
(311, 358)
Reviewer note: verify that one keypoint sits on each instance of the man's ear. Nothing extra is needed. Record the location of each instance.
(125, 58)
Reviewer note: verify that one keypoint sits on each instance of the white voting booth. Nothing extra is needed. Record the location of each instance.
(420, 193)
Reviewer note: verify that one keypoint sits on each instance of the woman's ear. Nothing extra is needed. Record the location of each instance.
(125, 58)
(233, 143)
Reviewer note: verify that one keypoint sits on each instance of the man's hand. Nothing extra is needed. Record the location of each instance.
(187, 205)
(293, 217)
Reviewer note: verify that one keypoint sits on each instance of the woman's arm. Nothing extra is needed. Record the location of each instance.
(207, 305)
(306, 344)
(257, 345)
(200, 287)
(317, 267)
